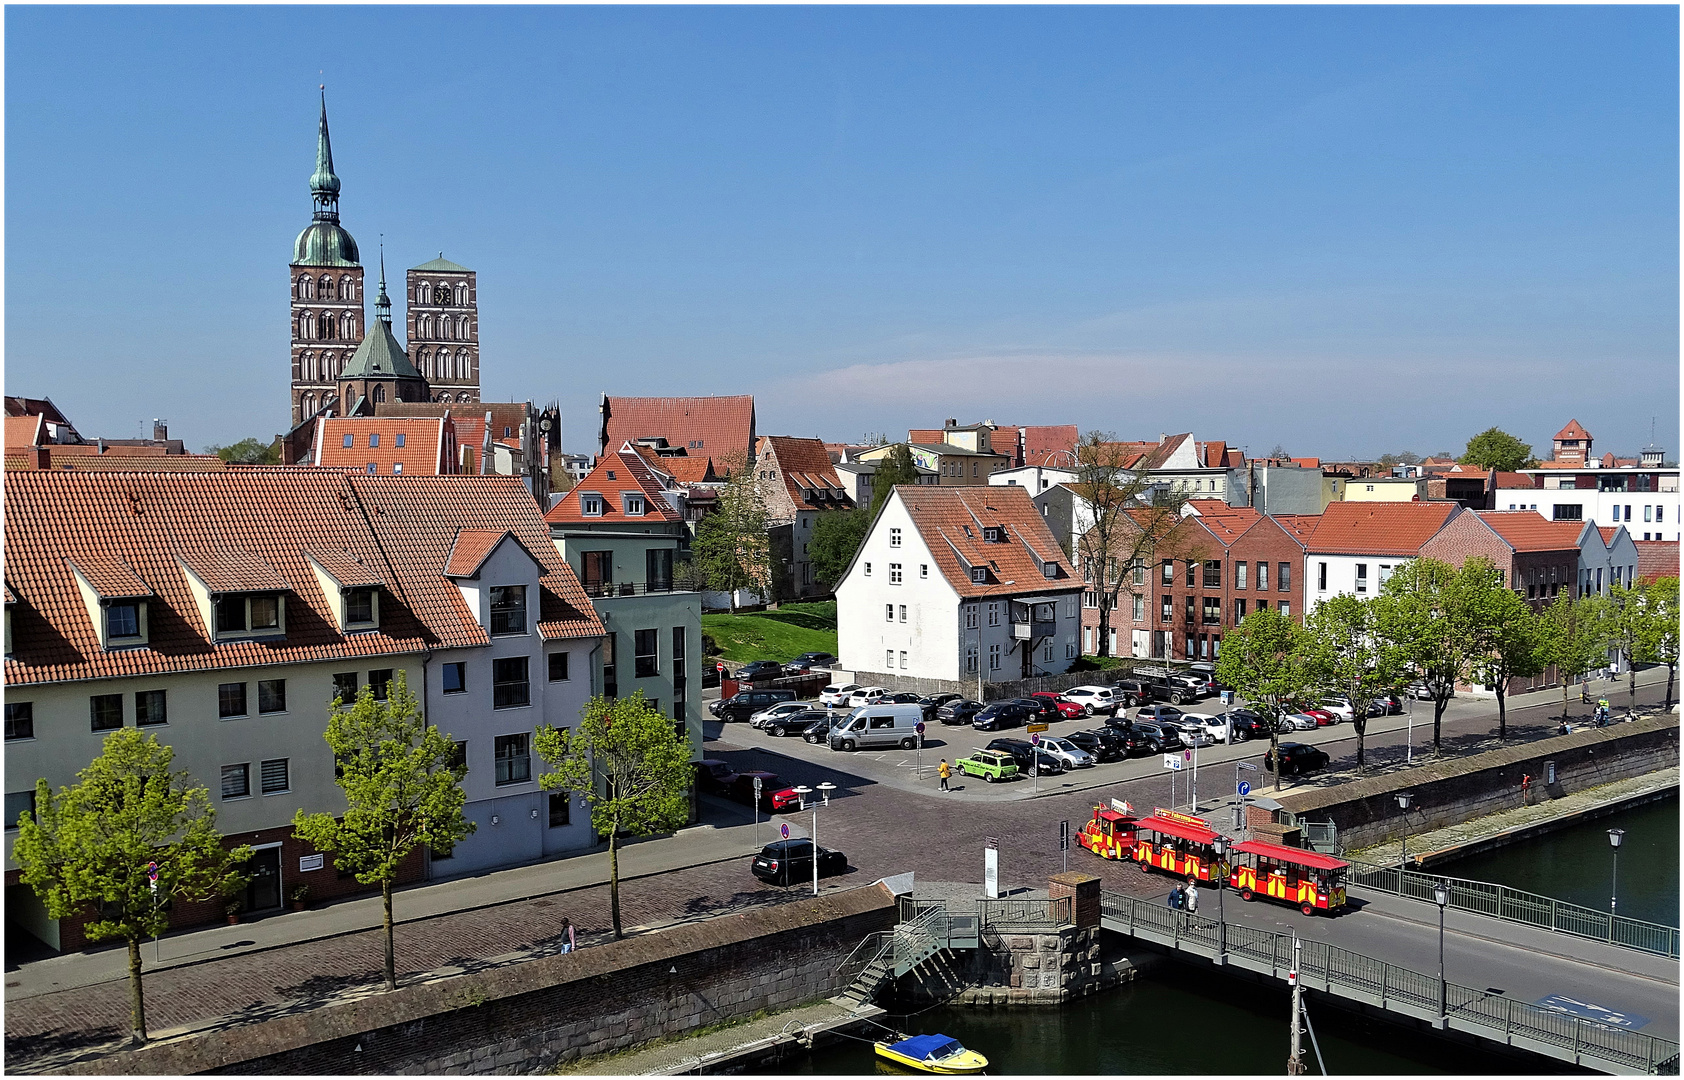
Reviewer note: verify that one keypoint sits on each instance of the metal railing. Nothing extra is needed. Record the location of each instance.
(1517, 905)
(599, 589)
(1335, 970)
(997, 913)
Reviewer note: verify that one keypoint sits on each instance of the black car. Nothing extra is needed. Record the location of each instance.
(1156, 738)
(1167, 688)
(807, 661)
(759, 669)
(745, 703)
(1023, 753)
(1039, 710)
(958, 712)
(1129, 692)
(998, 715)
(938, 700)
(1247, 726)
(819, 730)
(795, 723)
(790, 862)
(1296, 759)
(1103, 744)
(714, 776)
(1392, 702)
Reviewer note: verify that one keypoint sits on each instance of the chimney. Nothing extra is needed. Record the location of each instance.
(952, 422)
(160, 430)
(1162, 438)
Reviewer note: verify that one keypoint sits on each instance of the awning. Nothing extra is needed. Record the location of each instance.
(1170, 827)
(1297, 856)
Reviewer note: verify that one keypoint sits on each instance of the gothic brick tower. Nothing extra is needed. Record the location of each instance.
(327, 291)
(443, 328)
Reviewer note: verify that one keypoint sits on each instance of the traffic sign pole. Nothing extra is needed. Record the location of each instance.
(918, 762)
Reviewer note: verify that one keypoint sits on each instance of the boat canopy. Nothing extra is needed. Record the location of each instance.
(1315, 860)
(927, 1046)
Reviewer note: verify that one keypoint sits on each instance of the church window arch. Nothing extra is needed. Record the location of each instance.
(426, 327)
(421, 292)
(347, 326)
(462, 328)
(379, 393)
(325, 326)
(441, 295)
(307, 367)
(462, 295)
(307, 405)
(347, 288)
(327, 287)
(306, 287)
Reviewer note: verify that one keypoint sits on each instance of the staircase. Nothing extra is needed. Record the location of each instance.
(888, 954)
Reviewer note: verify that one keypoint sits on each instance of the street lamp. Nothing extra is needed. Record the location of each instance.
(1441, 897)
(1404, 798)
(1614, 838)
(802, 792)
(1220, 846)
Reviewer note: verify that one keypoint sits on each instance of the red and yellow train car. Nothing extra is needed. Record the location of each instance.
(1313, 881)
(1109, 833)
(1179, 844)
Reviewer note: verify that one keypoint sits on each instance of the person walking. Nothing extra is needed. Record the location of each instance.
(567, 933)
(1175, 897)
(944, 772)
(1192, 896)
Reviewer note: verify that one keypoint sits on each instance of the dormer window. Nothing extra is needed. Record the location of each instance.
(1049, 569)
(122, 620)
(991, 534)
(979, 575)
(249, 614)
(361, 607)
(508, 609)
(590, 504)
(633, 503)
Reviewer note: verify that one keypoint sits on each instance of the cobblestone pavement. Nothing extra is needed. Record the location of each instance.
(883, 829)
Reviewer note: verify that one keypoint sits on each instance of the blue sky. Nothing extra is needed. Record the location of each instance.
(1342, 230)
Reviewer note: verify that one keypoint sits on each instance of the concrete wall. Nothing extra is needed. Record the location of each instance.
(1453, 791)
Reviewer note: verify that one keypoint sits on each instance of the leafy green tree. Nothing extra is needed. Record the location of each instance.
(1572, 638)
(1661, 643)
(1495, 448)
(403, 789)
(1631, 627)
(248, 452)
(1505, 634)
(1266, 660)
(896, 467)
(86, 850)
(733, 549)
(628, 761)
(1349, 656)
(1405, 457)
(1418, 611)
(836, 537)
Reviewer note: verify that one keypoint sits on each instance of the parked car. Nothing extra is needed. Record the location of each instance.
(1025, 754)
(933, 703)
(958, 712)
(759, 669)
(790, 862)
(1129, 692)
(867, 695)
(1247, 725)
(1068, 710)
(819, 730)
(1190, 734)
(991, 765)
(1103, 744)
(1322, 717)
(1166, 688)
(1197, 684)
(881, 724)
(807, 661)
(775, 795)
(998, 715)
(1340, 707)
(1068, 753)
(836, 694)
(1298, 722)
(745, 703)
(782, 708)
(1093, 699)
(1215, 726)
(1393, 703)
(714, 776)
(1296, 759)
(1157, 712)
(796, 723)
(1039, 710)
(1157, 738)
(1419, 691)
(710, 674)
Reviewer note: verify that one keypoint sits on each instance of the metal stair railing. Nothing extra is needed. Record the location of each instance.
(1520, 906)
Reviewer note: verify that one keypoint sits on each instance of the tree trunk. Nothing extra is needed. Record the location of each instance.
(1502, 711)
(137, 996)
(1103, 646)
(1359, 724)
(614, 877)
(1631, 673)
(1564, 697)
(1670, 672)
(1438, 718)
(1275, 752)
(391, 957)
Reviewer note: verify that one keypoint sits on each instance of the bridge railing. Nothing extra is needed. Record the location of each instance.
(1024, 912)
(1327, 967)
(1518, 905)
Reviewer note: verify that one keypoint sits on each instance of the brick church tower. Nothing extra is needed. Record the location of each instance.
(327, 291)
(443, 328)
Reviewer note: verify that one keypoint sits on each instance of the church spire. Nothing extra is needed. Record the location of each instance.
(324, 184)
(383, 303)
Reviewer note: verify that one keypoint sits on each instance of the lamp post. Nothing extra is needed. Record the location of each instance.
(1614, 838)
(1220, 846)
(1441, 897)
(803, 791)
(1404, 798)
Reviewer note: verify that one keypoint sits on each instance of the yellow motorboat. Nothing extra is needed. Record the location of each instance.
(932, 1054)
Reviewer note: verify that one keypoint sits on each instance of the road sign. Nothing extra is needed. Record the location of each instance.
(1245, 788)
(784, 829)
(1064, 836)
(919, 727)
(1033, 728)
(1172, 761)
(1227, 697)
(1186, 755)
(1034, 739)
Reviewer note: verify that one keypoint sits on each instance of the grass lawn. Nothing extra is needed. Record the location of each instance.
(780, 635)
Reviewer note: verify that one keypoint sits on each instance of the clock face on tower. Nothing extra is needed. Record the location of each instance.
(441, 296)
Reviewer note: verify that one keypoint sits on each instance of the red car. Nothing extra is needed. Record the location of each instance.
(1067, 709)
(1322, 717)
(775, 795)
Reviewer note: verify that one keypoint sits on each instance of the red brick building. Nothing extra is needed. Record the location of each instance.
(1538, 558)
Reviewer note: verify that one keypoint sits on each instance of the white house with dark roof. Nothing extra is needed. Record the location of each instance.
(959, 583)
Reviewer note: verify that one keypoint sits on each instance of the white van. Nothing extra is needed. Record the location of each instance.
(878, 725)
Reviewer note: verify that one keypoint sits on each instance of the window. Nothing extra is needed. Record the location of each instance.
(1090, 599)
(994, 614)
(888, 613)
(657, 570)
(590, 505)
(1239, 575)
(1166, 612)
(867, 569)
(678, 673)
(971, 616)
(979, 575)
(633, 504)
(903, 613)
(1192, 573)
(558, 666)
(359, 606)
(599, 571)
(397, 440)
(1570, 511)
(238, 614)
(1283, 579)
(923, 570)
(1191, 606)
(1139, 572)
(1047, 653)
(1286, 609)
(236, 781)
(514, 763)
(1239, 612)
(272, 695)
(19, 803)
(456, 678)
(231, 699)
(1049, 569)
(1647, 509)
(903, 659)
(1321, 576)
(1262, 577)
(610, 671)
(459, 757)
(345, 686)
(888, 659)
(265, 612)
(1262, 605)
(508, 609)
(123, 620)
(273, 776)
(372, 468)
(894, 538)
(509, 686)
(1169, 572)
(1213, 574)
(1385, 572)
(1362, 577)
(380, 682)
(1139, 609)
(646, 655)
(970, 658)
(374, 439)
(994, 658)
(230, 614)
(20, 720)
(894, 573)
(561, 807)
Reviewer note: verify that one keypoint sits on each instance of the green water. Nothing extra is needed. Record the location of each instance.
(1576, 864)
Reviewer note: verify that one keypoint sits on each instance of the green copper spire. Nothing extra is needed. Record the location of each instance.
(324, 185)
(323, 242)
(383, 303)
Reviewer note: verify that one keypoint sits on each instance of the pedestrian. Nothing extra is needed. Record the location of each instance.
(944, 772)
(567, 934)
(1192, 896)
(1175, 897)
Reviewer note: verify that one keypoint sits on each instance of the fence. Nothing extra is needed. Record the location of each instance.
(1516, 905)
(1354, 974)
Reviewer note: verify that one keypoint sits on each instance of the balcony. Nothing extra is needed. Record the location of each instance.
(596, 590)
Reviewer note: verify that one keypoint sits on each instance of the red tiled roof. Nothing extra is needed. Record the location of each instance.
(1573, 430)
(719, 427)
(614, 475)
(1226, 523)
(683, 468)
(1300, 526)
(1656, 559)
(472, 548)
(1514, 480)
(1528, 530)
(224, 570)
(1608, 532)
(1364, 528)
(1160, 453)
(23, 431)
(349, 569)
(804, 466)
(109, 463)
(110, 578)
(1306, 462)
(951, 521)
(428, 444)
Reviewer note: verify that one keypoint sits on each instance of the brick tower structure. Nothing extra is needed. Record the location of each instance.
(327, 291)
(443, 328)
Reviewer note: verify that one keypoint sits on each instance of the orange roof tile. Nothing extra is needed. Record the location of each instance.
(110, 578)
(1363, 528)
(24, 431)
(719, 427)
(1528, 530)
(1656, 559)
(1226, 523)
(109, 463)
(224, 570)
(1300, 526)
(472, 548)
(952, 520)
(428, 444)
(804, 466)
(1608, 532)
(682, 468)
(348, 568)
(1514, 480)
(1573, 430)
(615, 474)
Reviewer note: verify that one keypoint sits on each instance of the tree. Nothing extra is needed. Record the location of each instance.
(1504, 635)
(248, 452)
(1123, 521)
(628, 761)
(1495, 448)
(1572, 638)
(836, 537)
(1661, 643)
(403, 789)
(86, 850)
(1630, 617)
(732, 548)
(1405, 457)
(1417, 612)
(1349, 656)
(896, 467)
(1265, 659)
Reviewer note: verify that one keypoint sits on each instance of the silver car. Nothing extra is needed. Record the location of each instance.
(1067, 753)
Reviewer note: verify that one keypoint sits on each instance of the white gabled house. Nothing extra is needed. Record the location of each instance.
(956, 583)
